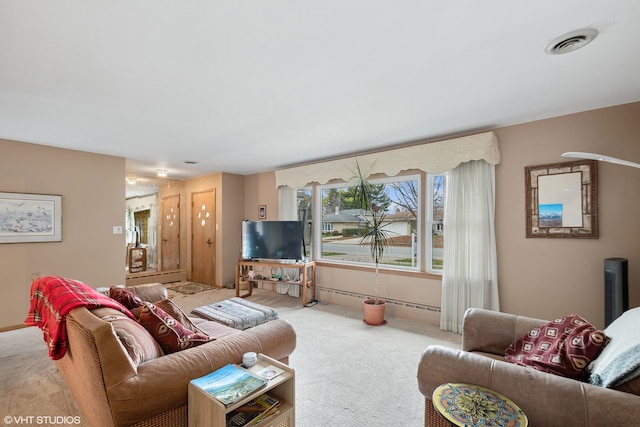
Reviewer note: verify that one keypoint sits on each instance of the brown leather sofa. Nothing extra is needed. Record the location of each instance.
(111, 390)
(548, 400)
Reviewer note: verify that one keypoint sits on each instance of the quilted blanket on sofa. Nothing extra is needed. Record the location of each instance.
(619, 362)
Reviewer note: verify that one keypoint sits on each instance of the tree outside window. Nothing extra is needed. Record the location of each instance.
(343, 224)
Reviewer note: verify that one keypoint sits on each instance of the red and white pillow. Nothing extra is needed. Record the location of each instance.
(167, 331)
(125, 297)
(176, 312)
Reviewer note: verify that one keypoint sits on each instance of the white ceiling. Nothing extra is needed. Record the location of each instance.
(248, 86)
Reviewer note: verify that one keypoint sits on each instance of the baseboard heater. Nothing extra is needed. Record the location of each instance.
(388, 300)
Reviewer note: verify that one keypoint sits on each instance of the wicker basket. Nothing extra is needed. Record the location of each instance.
(431, 417)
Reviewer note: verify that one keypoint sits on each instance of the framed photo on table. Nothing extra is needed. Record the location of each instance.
(30, 218)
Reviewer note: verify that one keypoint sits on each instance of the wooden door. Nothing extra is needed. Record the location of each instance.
(203, 237)
(170, 223)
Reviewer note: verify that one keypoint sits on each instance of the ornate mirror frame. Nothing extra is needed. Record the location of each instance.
(562, 200)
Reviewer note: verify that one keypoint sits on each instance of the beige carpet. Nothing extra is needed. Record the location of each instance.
(347, 373)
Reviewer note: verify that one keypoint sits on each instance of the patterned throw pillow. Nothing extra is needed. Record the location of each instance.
(564, 346)
(125, 297)
(167, 331)
(137, 341)
(176, 312)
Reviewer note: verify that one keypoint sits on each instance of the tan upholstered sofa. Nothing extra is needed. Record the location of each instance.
(112, 390)
(548, 400)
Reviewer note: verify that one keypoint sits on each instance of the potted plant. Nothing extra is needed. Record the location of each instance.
(377, 238)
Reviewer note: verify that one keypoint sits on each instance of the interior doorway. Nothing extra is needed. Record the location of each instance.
(141, 229)
(164, 236)
(203, 237)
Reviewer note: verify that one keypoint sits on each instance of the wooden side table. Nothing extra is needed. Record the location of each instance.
(206, 411)
(472, 405)
(137, 260)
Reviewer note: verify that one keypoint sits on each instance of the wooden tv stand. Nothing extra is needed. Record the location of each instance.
(307, 276)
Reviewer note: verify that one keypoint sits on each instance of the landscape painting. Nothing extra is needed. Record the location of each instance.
(27, 218)
(550, 215)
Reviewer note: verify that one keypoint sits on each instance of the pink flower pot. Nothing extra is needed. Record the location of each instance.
(374, 313)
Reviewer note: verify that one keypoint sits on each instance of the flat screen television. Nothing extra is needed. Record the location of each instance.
(272, 240)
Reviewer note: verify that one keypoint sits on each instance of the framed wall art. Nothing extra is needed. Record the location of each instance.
(562, 200)
(29, 218)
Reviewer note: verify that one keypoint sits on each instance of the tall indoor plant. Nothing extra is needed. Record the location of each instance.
(377, 238)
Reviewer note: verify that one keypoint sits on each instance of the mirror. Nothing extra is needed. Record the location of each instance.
(141, 230)
(562, 200)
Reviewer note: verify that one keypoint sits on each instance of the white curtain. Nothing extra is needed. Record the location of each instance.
(287, 206)
(470, 276)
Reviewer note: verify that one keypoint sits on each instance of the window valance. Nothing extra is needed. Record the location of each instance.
(434, 157)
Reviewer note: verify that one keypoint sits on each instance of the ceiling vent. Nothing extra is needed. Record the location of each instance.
(571, 41)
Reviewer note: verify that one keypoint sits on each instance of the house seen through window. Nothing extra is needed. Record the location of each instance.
(343, 224)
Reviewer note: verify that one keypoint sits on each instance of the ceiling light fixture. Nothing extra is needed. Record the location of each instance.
(162, 173)
(131, 180)
(600, 157)
(571, 41)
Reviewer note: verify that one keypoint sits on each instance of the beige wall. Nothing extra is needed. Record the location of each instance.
(260, 189)
(536, 277)
(230, 231)
(552, 277)
(93, 193)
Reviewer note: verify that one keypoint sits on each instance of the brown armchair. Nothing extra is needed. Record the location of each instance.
(548, 400)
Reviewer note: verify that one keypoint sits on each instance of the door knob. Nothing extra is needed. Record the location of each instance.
(209, 242)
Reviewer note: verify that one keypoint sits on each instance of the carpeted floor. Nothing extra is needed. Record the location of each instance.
(347, 374)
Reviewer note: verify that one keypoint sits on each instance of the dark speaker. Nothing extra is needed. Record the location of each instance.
(616, 289)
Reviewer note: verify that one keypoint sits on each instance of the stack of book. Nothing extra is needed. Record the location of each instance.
(230, 383)
(254, 412)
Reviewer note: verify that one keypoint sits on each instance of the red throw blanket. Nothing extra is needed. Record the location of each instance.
(52, 298)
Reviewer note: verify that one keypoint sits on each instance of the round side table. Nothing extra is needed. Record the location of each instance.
(468, 405)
